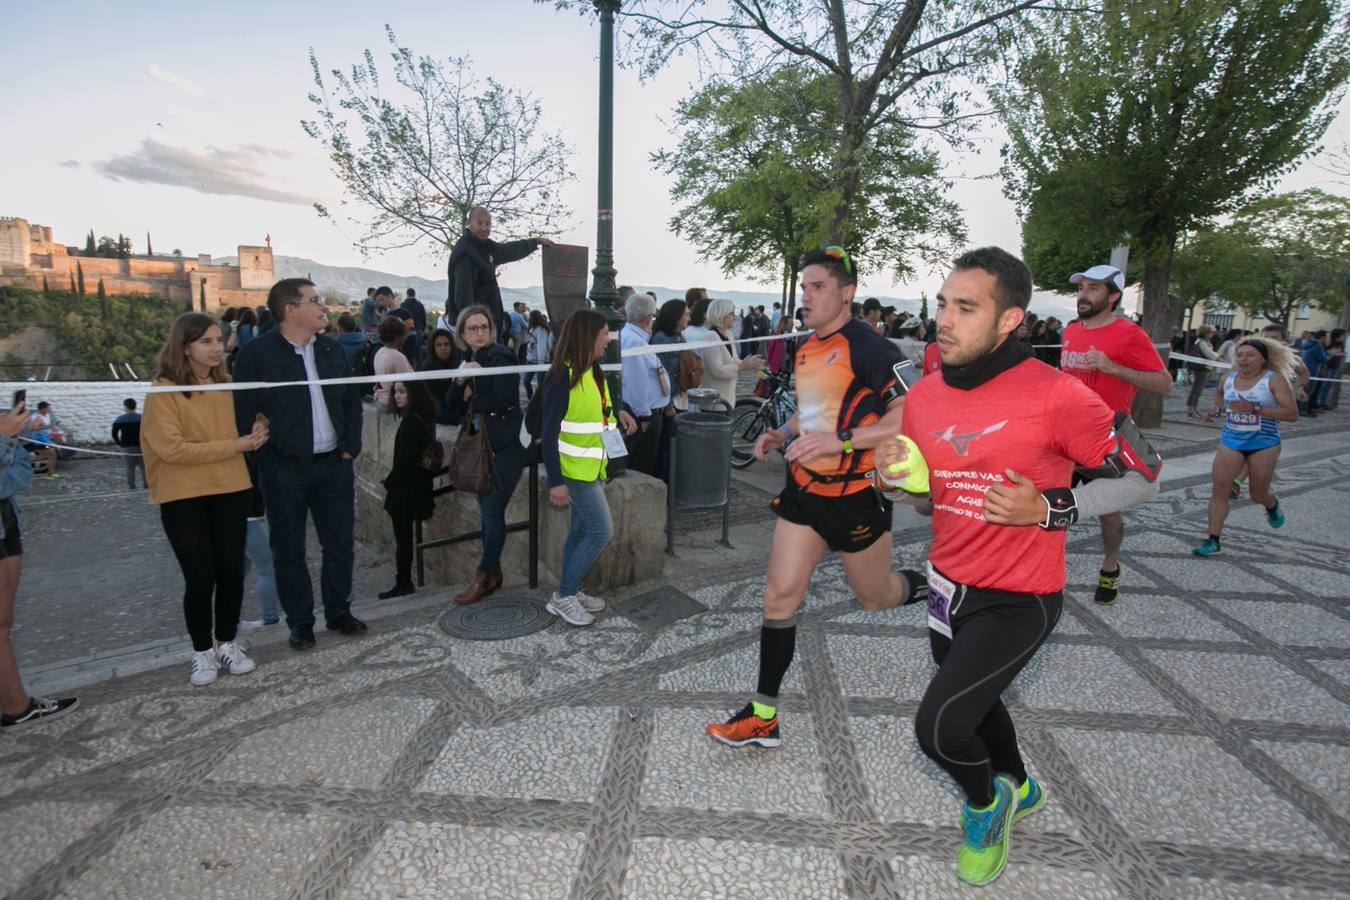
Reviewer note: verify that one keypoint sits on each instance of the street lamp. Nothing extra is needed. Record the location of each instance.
(604, 293)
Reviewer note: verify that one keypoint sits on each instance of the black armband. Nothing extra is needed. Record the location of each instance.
(1132, 452)
(1061, 509)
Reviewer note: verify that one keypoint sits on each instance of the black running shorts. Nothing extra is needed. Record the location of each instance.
(848, 524)
(12, 545)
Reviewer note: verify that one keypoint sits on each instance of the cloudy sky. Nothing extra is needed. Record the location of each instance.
(183, 120)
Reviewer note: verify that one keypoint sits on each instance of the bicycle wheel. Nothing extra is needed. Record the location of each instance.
(746, 427)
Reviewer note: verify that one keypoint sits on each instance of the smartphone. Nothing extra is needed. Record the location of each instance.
(906, 374)
(20, 398)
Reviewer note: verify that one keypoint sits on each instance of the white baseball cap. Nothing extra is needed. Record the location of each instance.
(1104, 274)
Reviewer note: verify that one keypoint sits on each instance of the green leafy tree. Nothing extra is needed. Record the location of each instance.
(445, 144)
(1155, 116)
(90, 245)
(887, 62)
(1053, 256)
(755, 192)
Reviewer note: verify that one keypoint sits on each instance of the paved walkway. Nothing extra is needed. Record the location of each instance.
(1193, 739)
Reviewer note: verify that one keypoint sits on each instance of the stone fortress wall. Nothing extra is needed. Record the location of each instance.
(28, 255)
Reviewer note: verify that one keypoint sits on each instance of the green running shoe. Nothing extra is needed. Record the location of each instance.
(1033, 801)
(1108, 586)
(1209, 548)
(986, 836)
(1275, 516)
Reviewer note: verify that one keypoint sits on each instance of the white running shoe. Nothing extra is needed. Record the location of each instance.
(234, 659)
(589, 603)
(204, 668)
(569, 608)
(248, 626)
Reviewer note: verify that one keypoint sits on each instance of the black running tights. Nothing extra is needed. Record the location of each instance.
(961, 722)
(207, 535)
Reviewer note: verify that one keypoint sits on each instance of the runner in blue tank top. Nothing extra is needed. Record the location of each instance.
(1255, 396)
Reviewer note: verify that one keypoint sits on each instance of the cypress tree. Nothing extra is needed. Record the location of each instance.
(90, 244)
(72, 282)
(103, 305)
(79, 277)
(203, 295)
(46, 292)
(149, 250)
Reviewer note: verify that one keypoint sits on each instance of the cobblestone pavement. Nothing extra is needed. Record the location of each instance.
(1193, 739)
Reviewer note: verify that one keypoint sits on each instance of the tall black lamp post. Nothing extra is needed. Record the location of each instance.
(604, 293)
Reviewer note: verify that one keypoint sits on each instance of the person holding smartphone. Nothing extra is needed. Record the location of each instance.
(17, 708)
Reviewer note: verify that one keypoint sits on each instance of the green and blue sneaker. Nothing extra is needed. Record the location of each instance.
(1275, 516)
(1030, 797)
(986, 835)
(1209, 548)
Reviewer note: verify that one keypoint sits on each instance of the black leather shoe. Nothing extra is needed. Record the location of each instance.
(347, 624)
(401, 589)
(302, 637)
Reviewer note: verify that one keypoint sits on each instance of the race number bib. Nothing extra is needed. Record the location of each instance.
(612, 438)
(940, 592)
(1243, 421)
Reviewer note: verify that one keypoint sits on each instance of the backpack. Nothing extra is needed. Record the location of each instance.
(364, 364)
(691, 370)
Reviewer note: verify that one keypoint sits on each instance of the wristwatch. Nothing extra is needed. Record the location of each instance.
(846, 436)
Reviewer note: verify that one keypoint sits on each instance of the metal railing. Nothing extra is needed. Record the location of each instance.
(531, 525)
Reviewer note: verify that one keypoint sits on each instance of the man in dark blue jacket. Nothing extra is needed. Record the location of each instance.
(306, 468)
(473, 267)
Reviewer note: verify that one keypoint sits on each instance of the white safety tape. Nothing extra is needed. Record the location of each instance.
(73, 449)
(1219, 364)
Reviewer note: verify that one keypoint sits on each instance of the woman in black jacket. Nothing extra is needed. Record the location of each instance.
(407, 487)
(492, 402)
(444, 354)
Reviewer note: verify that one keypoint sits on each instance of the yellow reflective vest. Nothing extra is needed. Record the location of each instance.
(581, 450)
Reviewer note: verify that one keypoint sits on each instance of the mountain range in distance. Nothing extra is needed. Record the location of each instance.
(353, 281)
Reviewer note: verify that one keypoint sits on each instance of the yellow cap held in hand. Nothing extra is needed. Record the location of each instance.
(911, 475)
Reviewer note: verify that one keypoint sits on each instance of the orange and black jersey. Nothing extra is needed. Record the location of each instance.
(841, 380)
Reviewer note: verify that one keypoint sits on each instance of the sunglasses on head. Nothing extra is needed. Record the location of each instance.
(834, 251)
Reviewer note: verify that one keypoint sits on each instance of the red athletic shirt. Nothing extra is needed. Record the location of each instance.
(932, 360)
(841, 382)
(1123, 342)
(1031, 419)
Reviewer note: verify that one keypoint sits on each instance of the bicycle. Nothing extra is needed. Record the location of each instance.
(753, 419)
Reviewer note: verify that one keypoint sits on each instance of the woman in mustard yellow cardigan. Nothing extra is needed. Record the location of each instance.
(194, 467)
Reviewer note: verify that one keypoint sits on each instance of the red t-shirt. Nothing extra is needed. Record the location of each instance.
(932, 360)
(1123, 342)
(1031, 419)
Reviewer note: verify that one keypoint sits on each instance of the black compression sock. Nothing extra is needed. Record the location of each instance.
(777, 642)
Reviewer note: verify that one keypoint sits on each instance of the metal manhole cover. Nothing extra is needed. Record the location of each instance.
(657, 609)
(496, 619)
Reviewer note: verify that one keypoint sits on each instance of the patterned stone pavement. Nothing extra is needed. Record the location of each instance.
(1193, 739)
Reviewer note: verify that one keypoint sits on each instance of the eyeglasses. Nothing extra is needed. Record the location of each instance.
(834, 251)
(316, 301)
(477, 328)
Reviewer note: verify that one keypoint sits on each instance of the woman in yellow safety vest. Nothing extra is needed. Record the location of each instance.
(579, 428)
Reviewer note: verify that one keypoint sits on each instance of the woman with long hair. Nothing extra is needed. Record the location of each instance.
(390, 358)
(1258, 395)
(247, 327)
(538, 348)
(443, 355)
(576, 412)
(720, 365)
(494, 400)
(407, 487)
(194, 467)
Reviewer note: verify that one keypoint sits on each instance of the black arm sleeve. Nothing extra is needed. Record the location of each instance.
(554, 407)
(511, 251)
(461, 288)
(247, 404)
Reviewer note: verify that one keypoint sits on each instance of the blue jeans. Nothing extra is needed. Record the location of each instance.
(492, 507)
(589, 534)
(258, 552)
(326, 489)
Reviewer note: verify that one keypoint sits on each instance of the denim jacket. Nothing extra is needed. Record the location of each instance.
(16, 473)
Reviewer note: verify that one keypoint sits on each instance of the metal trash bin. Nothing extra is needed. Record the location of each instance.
(700, 467)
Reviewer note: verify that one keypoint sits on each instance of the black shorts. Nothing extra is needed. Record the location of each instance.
(12, 545)
(848, 524)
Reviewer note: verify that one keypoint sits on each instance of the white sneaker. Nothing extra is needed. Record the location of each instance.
(248, 626)
(589, 603)
(204, 668)
(569, 608)
(234, 659)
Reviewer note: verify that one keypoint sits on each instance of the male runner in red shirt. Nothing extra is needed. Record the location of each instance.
(1114, 357)
(848, 403)
(1001, 433)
